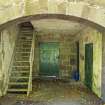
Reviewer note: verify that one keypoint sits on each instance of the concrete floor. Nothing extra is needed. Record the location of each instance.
(54, 93)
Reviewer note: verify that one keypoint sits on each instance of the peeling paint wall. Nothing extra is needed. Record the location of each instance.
(8, 37)
(92, 36)
(67, 57)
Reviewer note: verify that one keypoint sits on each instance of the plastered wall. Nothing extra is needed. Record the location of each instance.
(90, 35)
(67, 57)
(8, 37)
(87, 9)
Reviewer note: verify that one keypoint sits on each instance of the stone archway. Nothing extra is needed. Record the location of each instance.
(23, 8)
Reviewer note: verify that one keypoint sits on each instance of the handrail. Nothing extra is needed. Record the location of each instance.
(31, 60)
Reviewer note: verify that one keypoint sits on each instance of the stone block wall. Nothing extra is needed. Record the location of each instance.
(67, 51)
(90, 35)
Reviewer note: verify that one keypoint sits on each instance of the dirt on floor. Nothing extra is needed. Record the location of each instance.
(54, 93)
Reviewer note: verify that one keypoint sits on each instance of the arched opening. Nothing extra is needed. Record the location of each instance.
(67, 52)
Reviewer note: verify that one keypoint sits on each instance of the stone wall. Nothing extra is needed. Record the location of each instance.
(68, 53)
(103, 66)
(92, 36)
(8, 37)
(14, 9)
(68, 58)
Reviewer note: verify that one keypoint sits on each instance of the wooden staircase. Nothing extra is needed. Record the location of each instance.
(20, 79)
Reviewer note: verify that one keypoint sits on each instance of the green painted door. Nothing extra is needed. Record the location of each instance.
(49, 56)
(88, 65)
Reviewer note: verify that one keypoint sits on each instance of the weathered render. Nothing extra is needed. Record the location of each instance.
(92, 36)
(67, 53)
(92, 10)
(8, 37)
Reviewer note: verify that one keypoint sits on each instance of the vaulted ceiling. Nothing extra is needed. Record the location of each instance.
(58, 26)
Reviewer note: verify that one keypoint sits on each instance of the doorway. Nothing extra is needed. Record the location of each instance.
(88, 65)
(49, 59)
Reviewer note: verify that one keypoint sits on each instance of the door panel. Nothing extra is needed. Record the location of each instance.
(88, 65)
(49, 54)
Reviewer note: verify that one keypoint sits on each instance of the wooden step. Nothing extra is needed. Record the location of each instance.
(23, 36)
(22, 52)
(17, 90)
(20, 39)
(22, 55)
(22, 58)
(26, 30)
(20, 43)
(24, 33)
(21, 77)
(20, 71)
(19, 80)
(21, 66)
(18, 83)
(24, 41)
(24, 46)
(18, 47)
(22, 49)
(21, 61)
